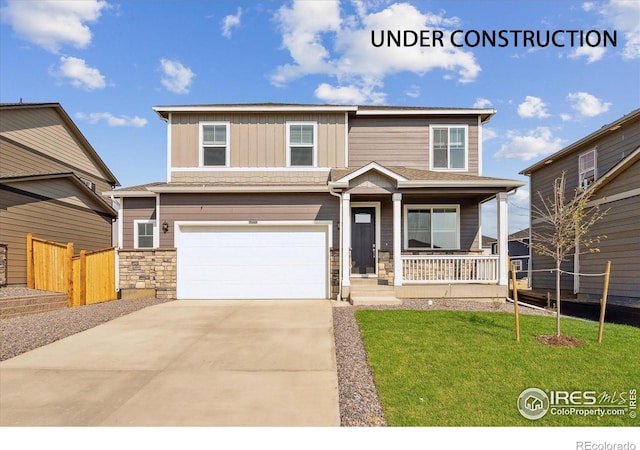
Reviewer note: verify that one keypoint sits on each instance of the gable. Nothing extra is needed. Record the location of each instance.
(46, 141)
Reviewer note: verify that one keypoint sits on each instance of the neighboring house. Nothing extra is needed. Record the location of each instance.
(297, 201)
(518, 252)
(51, 181)
(489, 244)
(607, 162)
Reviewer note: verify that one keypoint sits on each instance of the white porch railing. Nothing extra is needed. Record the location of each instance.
(449, 269)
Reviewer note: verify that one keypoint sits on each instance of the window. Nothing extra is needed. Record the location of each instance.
(587, 168)
(214, 144)
(431, 227)
(144, 233)
(88, 183)
(518, 264)
(449, 147)
(301, 144)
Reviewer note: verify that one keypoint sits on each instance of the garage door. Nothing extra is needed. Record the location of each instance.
(252, 262)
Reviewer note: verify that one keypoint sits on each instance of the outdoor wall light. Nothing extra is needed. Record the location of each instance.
(165, 226)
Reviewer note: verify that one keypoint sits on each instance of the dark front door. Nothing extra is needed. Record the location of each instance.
(363, 241)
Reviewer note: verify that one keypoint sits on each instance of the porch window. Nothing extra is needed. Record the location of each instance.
(144, 233)
(431, 227)
(301, 144)
(449, 146)
(587, 168)
(214, 144)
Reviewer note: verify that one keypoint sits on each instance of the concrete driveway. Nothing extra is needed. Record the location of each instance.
(183, 363)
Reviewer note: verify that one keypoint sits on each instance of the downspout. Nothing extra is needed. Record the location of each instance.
(339, 195)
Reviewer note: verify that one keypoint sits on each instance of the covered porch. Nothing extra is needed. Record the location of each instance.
(419, 232)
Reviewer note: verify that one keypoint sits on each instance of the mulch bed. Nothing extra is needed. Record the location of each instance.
(559, 341)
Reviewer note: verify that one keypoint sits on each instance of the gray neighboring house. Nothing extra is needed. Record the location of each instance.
(607, 162)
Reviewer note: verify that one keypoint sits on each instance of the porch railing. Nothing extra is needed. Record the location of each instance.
(449, 269)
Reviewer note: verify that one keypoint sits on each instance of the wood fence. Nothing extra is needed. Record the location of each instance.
(86, 278)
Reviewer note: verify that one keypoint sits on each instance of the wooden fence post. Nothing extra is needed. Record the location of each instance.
(83, 277)
(603, 301)
(515, 302)
(31, 281)
(68, 273)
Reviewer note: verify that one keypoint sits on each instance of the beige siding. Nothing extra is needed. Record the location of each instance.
(257, 140)
(243, 207)
(42, 130)
(57, 220)
(402, 141)
(250, 177)
(137, 209)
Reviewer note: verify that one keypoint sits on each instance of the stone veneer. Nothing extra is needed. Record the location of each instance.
(385, 267)
(149, 269)
(3, 264)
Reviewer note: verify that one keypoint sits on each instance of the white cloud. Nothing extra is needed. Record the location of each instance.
(532, 107)
(51, 24)
(230, 22)
(533, 144)
(350, 94)
(113, 121)
(565, 117)
(488, 134)
(81, 75)
(622, 15)
(587, 105)
(176, 77)
(413, 91)
(592, 54)
(588, 6)
(321, 41)
(482, 103)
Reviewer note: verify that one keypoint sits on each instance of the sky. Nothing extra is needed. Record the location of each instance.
(109, 62)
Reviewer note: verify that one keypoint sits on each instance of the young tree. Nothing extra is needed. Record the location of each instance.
(565, 225)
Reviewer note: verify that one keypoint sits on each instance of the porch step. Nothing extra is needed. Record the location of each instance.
(29, 302)
(372, 301)
(369, 292)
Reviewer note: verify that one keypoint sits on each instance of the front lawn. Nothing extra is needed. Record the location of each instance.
(459, 368)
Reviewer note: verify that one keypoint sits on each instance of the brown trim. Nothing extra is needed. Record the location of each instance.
(44, 198)
(56, 160)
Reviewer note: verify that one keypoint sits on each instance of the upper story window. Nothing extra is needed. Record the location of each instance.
(431, 227)
(587, 168)
(449, 147)
(214, 144)
(302, 140)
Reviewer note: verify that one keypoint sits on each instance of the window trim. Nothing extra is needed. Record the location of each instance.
(432, 127)
(595, 167)
(288, 142)
(407, 208)
(201, 126)
(517, 263)
(136, 236)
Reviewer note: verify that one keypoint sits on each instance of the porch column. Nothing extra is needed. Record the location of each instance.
(346, 239)
(397, 240)
(503, 239)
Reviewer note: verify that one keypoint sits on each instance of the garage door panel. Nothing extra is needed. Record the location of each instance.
(252, 262)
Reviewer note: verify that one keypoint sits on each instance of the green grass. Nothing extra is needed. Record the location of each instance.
(453, 368)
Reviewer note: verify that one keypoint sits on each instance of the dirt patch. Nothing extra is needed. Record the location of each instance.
(560, 341)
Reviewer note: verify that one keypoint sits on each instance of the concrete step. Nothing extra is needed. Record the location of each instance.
(372, 301)
(31, 304)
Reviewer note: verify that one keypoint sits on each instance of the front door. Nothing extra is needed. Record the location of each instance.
(363, 241)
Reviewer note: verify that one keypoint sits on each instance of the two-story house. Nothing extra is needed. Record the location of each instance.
(51, 184)
(607, 162)
(297, 201)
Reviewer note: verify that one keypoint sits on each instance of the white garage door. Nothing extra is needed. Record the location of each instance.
(252, 262)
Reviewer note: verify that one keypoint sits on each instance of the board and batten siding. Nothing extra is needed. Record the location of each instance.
(143, 208)
(257, 140)
(68, 217)
(43, 130)
(245, 207)
(403, 141)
